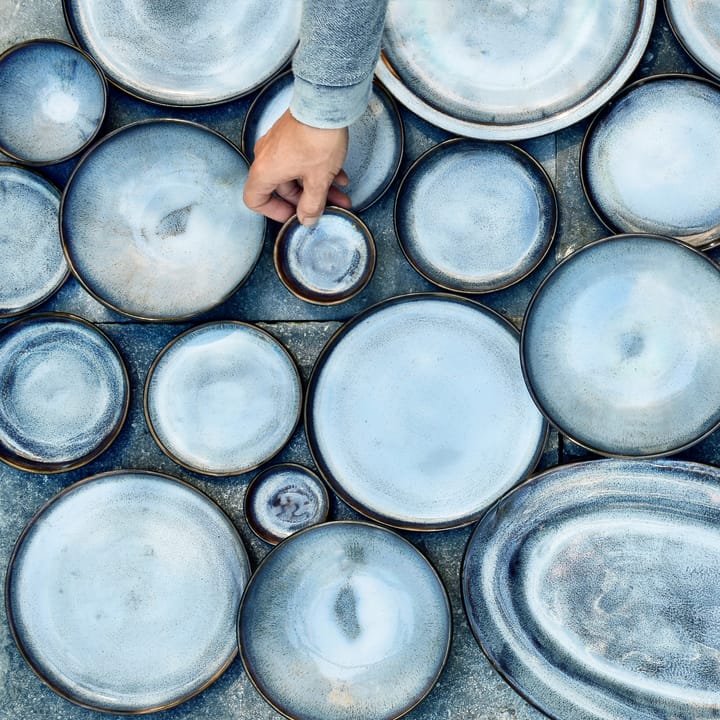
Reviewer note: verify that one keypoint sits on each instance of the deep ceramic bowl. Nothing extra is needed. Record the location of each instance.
(52, 101)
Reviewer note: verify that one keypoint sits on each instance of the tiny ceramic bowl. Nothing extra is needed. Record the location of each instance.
(53, 98)
(284, 499)
(327, 263)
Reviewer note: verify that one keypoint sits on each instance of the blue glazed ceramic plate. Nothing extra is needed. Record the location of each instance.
(65, 392)
(181, 53)
(32, 263)
(696, 25)
(417, 413)
(223, 398)
(123, 592)
(375, 143)
(475, 217)
(592, 588)
(52, 101)
(621, 346)
(153, 220)
(344, 620)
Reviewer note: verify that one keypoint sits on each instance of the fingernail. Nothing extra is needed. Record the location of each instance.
(309, 221)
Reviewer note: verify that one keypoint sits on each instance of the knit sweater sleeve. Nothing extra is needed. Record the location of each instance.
(335, 59)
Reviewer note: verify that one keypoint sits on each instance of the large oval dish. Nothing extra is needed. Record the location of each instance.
(122, 592)
(621, 346)
(186, 53)
(344, 621)
(417, 413)
(650, 161)
(501, 71)
(592, 588)
(153, 220)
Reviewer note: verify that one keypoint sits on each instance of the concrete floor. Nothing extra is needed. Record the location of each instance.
(468, 687)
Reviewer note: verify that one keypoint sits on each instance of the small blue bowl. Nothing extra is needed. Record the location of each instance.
(52, 101)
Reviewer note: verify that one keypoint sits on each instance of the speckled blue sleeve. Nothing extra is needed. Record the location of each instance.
(335, 59)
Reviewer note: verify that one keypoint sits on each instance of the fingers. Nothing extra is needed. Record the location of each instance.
(312, 201)
(259, 197)
(339, 198)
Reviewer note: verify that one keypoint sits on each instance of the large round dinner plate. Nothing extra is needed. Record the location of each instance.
(696, 24)
(506, 70)
(651, 163)
(123, 591)
(375, 139)
(32, 263)
(417, 413)
(475, 216)
(65, 392)
(621, 346)
(222, 398)
(153, 220)
(592, 589)
(186, 53)
(344, 621)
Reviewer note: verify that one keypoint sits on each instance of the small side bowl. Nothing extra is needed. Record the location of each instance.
(327, 263)
(53, 98)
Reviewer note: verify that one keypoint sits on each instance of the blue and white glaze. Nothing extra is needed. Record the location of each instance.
(32, 263)
(222, 398)
(651, 162)
(284, 499)
(621, 346)
(500, 70)
(187, 53)
(329, 262)
(123, 592)
(375, 140)
(154, 223)
(52, 101)
(475, 217)
(64, 392)
(417, 412)
(696, 24)
(593, 590)
(344, 621)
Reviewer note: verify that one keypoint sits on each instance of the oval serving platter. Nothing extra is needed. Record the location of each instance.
(417, 413)
(153, 221)
(697, 27)
(475, 216)
(186, 53)
(32, 263)
(52, 101)
(65, 392)
(592, 588)
(344, 620)
(123, 592)
(501, 71)
(650, 161)
(375, 142)
(223, 398)
(621, 346)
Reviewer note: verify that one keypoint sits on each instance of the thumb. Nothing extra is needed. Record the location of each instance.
(312, 202)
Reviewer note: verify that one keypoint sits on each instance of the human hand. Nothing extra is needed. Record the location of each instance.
(294, 170)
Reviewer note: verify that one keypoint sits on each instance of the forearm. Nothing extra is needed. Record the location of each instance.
(335, 60)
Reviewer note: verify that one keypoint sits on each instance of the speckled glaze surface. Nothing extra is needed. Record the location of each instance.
(375, 142)
(52, 101)
(475, 216)
(593, 589)
(651, 163)
(630, 366)
(186, 53)
(64, 393)
(500, 71)
(417, 413)
(32, 263)
(327, 263)
(153, 220)
(284, 499)
(696, 24)
(222, 398)
(123, 592)
(344, 621)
